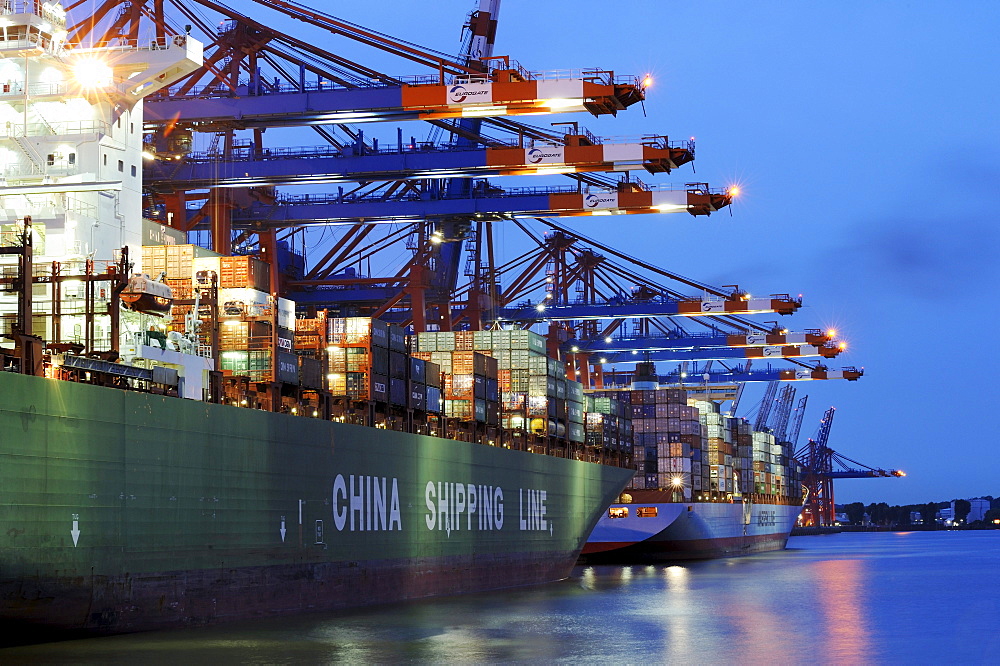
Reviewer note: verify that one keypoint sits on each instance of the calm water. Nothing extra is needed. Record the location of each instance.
(931, 597)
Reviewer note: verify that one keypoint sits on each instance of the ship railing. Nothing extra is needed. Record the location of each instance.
(14, 130)
(48, 10)
(124, 45)
(35, 90)
(32, 42)
(18, 171)
(80, 207)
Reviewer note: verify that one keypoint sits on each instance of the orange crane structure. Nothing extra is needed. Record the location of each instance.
(823, 465)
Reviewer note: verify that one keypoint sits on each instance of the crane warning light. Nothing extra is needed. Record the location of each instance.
(734, 190)
(832, 332)
(647, 81)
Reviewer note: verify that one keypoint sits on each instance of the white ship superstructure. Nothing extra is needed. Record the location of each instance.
(71, 144)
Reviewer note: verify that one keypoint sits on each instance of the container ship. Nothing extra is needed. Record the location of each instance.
(706, 485)
(180, 447)
(198, 429)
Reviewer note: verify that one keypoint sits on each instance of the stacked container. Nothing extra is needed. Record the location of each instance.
(665, 441)
(608, 422)
(717, 456)
(244, 273)
(531, 390)
(358, 361)
(471, 388)
(688, 446)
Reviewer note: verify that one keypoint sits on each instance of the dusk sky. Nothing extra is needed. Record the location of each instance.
(865, 139)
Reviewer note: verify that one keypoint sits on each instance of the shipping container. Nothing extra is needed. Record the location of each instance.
(433, 399)
(241, 272)
(288, 367)
(310, 372)
(398, 392)
(397, 338)
(426, 342)
(418, 395)
(459, 409)
(286, 339)
(286, 313)
(379, 387)
(418, 369)
(432, 374)
(398, 365)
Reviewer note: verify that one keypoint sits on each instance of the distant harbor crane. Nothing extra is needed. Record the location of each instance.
(823, 465)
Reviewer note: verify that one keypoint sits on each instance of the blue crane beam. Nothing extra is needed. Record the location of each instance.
(502, 93)
(483, 201)
(741, 374)
(864, 474)
(720, 354)
(777, 303)
(693, 341)
(358, 163)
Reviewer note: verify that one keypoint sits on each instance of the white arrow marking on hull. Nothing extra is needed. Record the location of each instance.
(75, 532)
(282, 530)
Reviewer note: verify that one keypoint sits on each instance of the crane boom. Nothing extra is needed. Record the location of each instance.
(780, 423)
(765, 406)
(800, 410)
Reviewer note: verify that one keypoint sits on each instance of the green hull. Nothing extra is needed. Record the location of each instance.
(123, 511)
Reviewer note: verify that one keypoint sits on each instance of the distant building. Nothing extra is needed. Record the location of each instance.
(946, 516)
(916, 518)
(842, 519)
(979, 509)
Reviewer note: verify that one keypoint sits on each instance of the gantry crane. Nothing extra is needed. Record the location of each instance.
(257, 78)
(766, 404)
(820, 460)
(431, 200)
(408, 158)
(778, 424)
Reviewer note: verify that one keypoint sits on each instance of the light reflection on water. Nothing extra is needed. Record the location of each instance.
(845, 599)
(842, 592)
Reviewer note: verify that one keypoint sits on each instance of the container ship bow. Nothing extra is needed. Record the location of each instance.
(177, 448)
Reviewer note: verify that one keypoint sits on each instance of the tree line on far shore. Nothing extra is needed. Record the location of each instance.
(883, 515)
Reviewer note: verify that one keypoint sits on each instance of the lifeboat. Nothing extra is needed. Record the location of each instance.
(143, 294)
